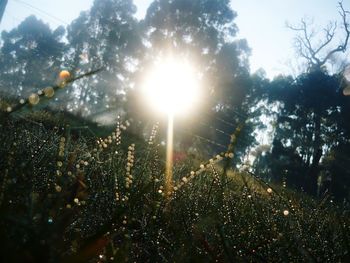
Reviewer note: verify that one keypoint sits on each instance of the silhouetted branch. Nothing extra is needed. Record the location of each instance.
(58, 86)
(310, 51)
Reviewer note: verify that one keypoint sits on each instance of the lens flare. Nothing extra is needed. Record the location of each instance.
(347, 73)
(171, 86)
(169, 155)
(346, 91)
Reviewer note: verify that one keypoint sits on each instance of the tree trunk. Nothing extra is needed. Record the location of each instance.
(311, 180)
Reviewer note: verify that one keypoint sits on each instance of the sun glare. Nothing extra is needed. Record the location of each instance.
(172, 86)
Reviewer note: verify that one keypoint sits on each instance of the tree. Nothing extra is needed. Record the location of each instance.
(310, 123)
(317, 54)
(308, 104)
(30, 57)
(202, 32)
(107, 36)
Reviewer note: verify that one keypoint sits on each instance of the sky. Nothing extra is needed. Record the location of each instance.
(261, 22)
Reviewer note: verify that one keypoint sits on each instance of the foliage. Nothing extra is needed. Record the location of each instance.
(66, 197)
(71, 191)
(204, 33)
(106, 35)
(29, 57)
(307, 127)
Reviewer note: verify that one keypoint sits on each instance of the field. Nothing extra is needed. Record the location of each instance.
(69, 196)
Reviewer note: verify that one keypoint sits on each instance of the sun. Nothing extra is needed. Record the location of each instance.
(171, 86)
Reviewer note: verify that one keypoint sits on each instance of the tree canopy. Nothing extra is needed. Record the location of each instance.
(306, 117)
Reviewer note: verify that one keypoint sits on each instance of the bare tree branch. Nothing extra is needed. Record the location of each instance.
(329, 35)
(341, 48)
(311, 52)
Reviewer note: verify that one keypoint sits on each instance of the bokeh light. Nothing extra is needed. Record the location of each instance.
(347, 73)
(346, 91)
(64, 75)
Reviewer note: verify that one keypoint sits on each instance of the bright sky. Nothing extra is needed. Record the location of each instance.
(261, 22)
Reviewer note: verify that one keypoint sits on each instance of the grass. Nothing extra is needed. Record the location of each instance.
(67, 196)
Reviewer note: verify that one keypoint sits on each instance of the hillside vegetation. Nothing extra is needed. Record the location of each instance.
(67, 196)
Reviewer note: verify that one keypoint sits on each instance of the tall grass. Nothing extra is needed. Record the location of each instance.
(67, 196)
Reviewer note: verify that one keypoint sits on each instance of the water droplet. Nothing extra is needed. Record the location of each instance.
(64, 75)
(33, 99)
(58, 188)
(49, 92)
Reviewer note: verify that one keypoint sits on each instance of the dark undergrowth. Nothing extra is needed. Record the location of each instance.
(68, 196)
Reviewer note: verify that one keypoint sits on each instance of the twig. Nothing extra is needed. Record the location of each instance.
(56, 87)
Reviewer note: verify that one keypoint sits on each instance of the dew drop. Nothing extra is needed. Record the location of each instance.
(33, 99)
(49, 92)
